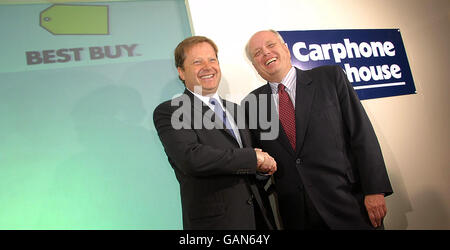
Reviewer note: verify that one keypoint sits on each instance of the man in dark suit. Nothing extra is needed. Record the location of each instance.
(331, 173)
(212, 157)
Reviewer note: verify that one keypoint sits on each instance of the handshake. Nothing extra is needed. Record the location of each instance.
(265, 164)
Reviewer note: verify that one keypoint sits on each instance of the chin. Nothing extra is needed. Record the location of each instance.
(210, 86)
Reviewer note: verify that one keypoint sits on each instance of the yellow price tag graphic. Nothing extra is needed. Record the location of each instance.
(61, 19)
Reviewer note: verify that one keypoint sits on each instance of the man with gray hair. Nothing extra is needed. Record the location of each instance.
(330, 169)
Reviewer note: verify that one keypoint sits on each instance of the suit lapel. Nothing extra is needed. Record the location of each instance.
(303, 103)
(199, 110)
(245, 138)
(237, 118)
(234, 115)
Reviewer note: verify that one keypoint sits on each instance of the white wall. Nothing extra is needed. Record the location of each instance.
(412, 129)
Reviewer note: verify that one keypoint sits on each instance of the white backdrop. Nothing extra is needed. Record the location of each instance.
(412, 129)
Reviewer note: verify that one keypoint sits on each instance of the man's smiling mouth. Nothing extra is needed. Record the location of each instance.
(271, 60)
(207, 76)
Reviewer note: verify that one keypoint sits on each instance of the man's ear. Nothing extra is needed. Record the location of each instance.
(287, 48)
(180, 73)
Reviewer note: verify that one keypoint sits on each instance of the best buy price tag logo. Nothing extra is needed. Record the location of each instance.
(61, 19)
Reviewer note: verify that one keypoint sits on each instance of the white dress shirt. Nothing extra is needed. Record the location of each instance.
(290, 83)
(205, 100)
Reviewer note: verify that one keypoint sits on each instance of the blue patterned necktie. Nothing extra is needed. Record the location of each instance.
(222, 115)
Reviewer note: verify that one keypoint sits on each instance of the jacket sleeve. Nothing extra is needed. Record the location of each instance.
(188, 155)
(365, 151)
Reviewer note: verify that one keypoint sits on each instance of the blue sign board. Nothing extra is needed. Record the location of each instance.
(374, 59)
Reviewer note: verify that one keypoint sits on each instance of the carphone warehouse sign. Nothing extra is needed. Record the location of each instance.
(374, 59)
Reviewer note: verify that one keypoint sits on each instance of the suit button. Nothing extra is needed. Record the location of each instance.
(298, 161)
(250, 201)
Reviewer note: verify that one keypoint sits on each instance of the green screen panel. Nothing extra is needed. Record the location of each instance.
(78, 149)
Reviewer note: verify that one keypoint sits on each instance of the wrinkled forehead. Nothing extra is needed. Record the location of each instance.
(202, 48)
(262, 38)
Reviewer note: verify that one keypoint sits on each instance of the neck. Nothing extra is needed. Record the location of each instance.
(280, 76)
(200, 91)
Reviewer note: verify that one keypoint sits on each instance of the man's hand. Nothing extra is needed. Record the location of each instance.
(376, 208)
(265, 163)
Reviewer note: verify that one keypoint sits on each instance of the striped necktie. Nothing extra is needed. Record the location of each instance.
(222, 115)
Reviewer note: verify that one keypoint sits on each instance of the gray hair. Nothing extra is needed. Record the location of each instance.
(247, 47)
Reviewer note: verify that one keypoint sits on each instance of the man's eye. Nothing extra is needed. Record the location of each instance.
(257, 53)
(271, 45)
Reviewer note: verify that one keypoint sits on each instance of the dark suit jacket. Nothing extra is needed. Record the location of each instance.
(337, 159)
(216, 176)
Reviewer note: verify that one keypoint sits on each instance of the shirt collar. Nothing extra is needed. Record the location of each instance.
(205, 99)
(288, 81)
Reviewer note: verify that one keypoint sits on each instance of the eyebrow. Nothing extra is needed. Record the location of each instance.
(267, 43)
(253, 53)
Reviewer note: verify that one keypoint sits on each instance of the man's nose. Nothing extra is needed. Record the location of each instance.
(265, 51)
(207, 66)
